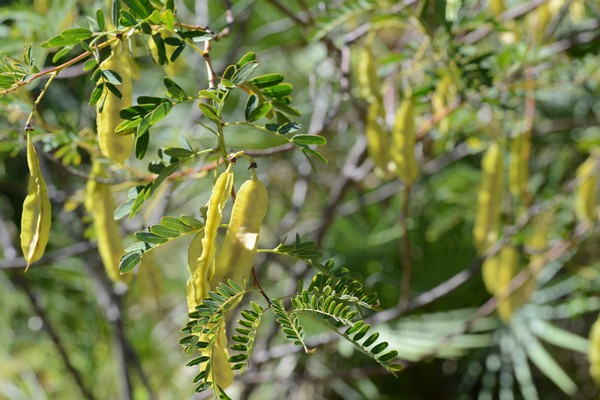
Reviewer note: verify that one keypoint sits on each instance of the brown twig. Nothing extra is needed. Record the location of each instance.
(50, 257)
(288, 13)
(56, 69)
(405, 248)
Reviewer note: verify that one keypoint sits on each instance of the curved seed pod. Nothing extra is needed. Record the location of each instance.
(204, 267)
(518, 171)
(194, 253)
(116, 147)
(377, 138)
(403, 142)
(368, 82)
(101, 205)
(594, 351)
(487, 220)
(241, 240)
(36, 217)
(586, 194)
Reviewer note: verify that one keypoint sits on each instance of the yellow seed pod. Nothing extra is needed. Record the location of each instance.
(172, 68)
(496, 7)
(586, 194)
(498, 272)
(577, 10)
(368, 81)
(101, 205)
(594, 351)
(403, 142)
(377, 138)
(237, 253)
(204, 267)
(116, 147)
(518, 172)
(439, 103)
(489, 201)
(37, 213)
(149, 277)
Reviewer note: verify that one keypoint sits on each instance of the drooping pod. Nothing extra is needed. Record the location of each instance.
(443, 96)
(403, 142)
(518, 171)
(489, 201)
(594, 351)
(100, 203)
(237, 253)
(36, 217)
(498, 272)
(204, 267)
(586, 194)
(377, 138)
(114, 146)
(368, 82)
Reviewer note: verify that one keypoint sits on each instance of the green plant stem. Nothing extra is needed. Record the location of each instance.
(38, 100)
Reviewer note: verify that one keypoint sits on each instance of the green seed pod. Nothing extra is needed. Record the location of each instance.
(36, 217)
(403, 145)
(594, 351)
(586, 194)
(377, 138)
(236, 258)
(487, 220)
(518, 172)
(114, 146)
(368, 82)
(101, 205)
(204, 268)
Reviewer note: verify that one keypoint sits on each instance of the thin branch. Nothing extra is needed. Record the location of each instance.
(288, 13)
(56, 69)
(230, 21)
(405, 248)
(50, 257)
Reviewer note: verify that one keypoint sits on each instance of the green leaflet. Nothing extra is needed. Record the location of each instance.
(36, 217)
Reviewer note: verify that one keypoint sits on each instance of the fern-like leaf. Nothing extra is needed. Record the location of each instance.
(343, 289)
(244, 340)
(323, 307)
(169, 228)
(305, 252)
(290, 324)
(204, 328)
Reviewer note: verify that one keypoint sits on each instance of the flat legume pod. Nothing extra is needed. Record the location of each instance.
(489, 202)
(594, 352)
(204, 266)
(403, 142)
(586, 194)
(36, 217)
(114, 146)
(237, 253)
(101, 205)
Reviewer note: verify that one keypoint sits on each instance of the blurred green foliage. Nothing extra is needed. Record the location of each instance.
(479, 73)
